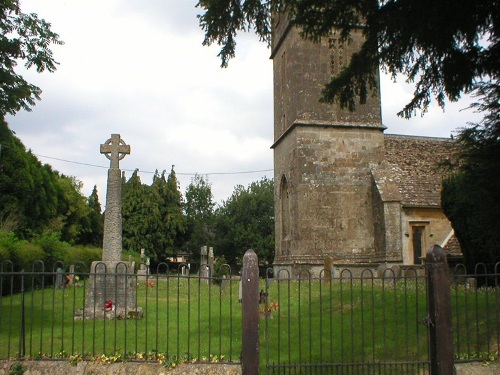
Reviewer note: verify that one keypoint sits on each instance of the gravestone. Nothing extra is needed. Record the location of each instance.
(71, 274)
(211, 260)
(60, 278)
(143, 269)
(111, 293)
(206, 262)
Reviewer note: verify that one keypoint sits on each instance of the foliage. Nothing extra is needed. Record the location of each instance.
(52, 246)
(152, 215)
(35, 199)
(17, 369)
(199, 209)
(46, 248)
(246, 221)
(93, 223)
(27, 38)
(471, 196)
(84, 255)
(446, 49)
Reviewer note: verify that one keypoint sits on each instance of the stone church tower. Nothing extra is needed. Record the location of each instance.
(333, 196)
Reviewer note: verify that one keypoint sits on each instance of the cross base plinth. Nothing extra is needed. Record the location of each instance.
(111, 292)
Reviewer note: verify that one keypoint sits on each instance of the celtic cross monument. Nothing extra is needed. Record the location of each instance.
(111, 293)
(115, 150)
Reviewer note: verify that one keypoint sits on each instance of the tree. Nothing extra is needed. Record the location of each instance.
(199, 209)
(172, 220)
(471, 195)
(173, 217)
(92, 233)
(447, 48)
(35, 199)
(246, 221)
(23, 37)
(152, 215)
(135, 213)
(72, 209)
(28, 190)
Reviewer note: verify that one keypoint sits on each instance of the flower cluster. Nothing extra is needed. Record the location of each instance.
(269, 308)
(108, 306)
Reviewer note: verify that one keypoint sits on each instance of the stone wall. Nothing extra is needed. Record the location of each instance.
(122, 368)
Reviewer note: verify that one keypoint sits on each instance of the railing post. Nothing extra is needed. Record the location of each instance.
(22, 333)
(250, 314)
(439, 310)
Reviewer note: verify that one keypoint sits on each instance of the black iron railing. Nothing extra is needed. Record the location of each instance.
(190, 317)
(416, 321)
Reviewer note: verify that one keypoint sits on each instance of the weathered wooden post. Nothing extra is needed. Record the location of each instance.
(439, 310)
(250, 314)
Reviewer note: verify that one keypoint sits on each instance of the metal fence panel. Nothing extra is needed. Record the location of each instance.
(346, 325)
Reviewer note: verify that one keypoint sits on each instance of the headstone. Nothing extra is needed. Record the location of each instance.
(60, 279)
(204, 269)
(389, 273)
(223, 283)
(470, 283)
(71, 275)
(143, 270)
(112, 280)
(185, 269)
(211, 260)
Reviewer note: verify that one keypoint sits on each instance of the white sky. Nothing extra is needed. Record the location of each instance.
(137, 68)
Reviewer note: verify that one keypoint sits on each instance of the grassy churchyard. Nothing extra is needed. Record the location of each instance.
(308, 321)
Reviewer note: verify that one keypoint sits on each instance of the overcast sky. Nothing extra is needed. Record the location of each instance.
(137, 68)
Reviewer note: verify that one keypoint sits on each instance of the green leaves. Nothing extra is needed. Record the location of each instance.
(246, 221)
(35, 199)
(223, 19)
(445, 48)
(199, 209)
(152, 215)
(27, 38)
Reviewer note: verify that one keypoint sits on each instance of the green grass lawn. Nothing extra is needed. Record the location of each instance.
(309, 321)
(181, 316)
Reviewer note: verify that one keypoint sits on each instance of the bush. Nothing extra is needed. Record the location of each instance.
(55, 249)
(83, 254)
(27, 255)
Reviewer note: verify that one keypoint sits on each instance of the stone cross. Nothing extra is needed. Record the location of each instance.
(115, 150)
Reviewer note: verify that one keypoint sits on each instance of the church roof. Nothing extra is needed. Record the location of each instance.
(413, 163)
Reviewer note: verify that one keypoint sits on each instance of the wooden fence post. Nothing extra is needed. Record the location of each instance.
(439, 310)
(250, 314)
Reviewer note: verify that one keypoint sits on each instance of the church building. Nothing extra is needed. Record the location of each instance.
(344, 190)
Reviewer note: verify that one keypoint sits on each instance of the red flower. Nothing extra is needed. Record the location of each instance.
(108, 305)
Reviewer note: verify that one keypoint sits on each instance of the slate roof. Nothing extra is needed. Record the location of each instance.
(451, 246)
(413, 165)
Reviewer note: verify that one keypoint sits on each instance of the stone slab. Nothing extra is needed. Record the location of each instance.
(477, 368)
(111, 281)
(121, 368)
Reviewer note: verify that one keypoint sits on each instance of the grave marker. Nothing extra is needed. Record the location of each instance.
(112, 280)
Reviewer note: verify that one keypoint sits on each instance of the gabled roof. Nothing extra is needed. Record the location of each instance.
(451, 246)
(413, 164)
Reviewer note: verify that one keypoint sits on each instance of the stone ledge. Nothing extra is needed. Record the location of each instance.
(121, 368)
(477, 368)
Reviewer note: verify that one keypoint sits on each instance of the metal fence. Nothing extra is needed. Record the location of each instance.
(189, 318)
(475, 299)
(364, 324)
(418, 322)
